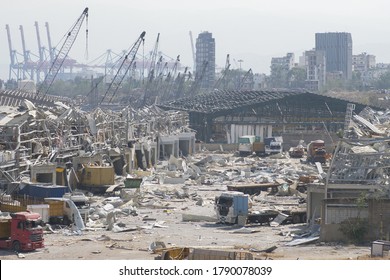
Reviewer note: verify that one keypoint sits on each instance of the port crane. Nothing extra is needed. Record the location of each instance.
(63, 53)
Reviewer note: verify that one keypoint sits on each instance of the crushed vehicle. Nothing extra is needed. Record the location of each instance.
(233, 207)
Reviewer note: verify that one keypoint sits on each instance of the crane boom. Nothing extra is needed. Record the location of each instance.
(51, 49)
(198, 80)
(224, 73)
(40, 50)
(62, 54)
(120, 75)
(12, 52)
(26, 53)
(193, 49)
(245, 78)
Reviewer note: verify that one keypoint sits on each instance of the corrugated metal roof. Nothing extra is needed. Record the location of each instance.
(227, 100)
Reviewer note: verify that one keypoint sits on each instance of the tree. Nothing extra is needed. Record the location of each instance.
(296, 77)
(384, 81)
(278, 77)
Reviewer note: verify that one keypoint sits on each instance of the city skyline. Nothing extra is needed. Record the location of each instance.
(248, 31)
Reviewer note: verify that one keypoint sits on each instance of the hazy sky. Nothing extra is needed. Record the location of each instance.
(250, 30)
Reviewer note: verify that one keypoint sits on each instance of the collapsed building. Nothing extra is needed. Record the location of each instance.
(54, 143)
(49, 150)
(355, 195)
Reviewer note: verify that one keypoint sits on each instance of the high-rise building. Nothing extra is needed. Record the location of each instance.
(338, 52)
(205, 59)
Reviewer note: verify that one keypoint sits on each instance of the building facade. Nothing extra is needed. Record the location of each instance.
(280, 67)
(363, 62)
(338, 51)
(315, 64)
(205, 59)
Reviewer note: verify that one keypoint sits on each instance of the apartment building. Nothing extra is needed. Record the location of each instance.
(205, 59)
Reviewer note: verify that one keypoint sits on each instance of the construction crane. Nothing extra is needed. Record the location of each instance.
(153, 59)
(180, 80)
(123, 69)
(63, 53)
(198, 79)
(244, 79)
(224, 73)
(151, 73)
(171, 79)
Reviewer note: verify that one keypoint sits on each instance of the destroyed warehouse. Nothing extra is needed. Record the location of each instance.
(223, 116)
(52, 149)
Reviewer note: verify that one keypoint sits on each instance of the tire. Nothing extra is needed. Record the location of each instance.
(301, 189)
(16, 246)
(66, 221)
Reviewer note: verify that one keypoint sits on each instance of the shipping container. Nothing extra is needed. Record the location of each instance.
(42, 191)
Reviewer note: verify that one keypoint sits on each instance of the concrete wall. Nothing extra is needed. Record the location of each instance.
(292, 139)
(216, 147)
(379, 219)
(377, 213)
(315, 196)
(331, 233)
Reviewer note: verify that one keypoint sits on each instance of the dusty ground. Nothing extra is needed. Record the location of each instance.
(99, 243)
(159, 218)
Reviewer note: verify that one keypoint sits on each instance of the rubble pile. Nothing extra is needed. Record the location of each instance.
(140, 177)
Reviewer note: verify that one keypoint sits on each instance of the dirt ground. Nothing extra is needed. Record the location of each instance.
(157, 226)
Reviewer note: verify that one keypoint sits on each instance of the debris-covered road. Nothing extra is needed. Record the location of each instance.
(140, 223)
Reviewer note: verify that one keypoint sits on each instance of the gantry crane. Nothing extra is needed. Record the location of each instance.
(63, 53)
(51, 49)
(28, 65)
(13, 56)
(127, 61)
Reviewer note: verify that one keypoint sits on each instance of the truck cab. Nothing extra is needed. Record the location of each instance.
(245, 144)
(249, 144)
(21, 232)
(230, 205)
(273, 145)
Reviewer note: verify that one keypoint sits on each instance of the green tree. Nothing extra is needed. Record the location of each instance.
(297, 77)
(383, 82)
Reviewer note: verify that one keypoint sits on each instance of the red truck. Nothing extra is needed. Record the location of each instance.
(21, 232)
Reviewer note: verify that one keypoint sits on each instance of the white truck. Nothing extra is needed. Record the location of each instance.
(249, 144)
(273, 145)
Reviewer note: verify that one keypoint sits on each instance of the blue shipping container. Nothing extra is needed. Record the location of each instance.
(43, 191)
